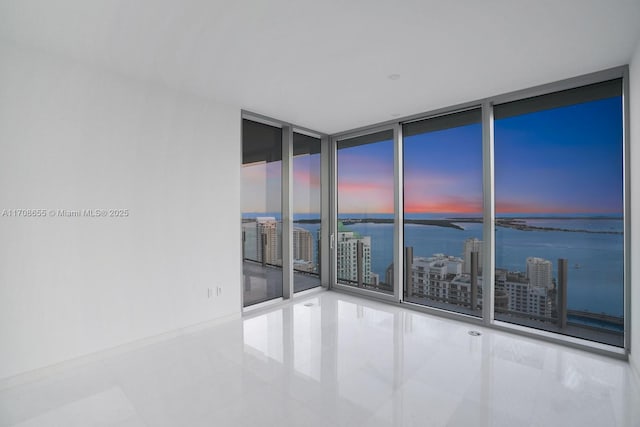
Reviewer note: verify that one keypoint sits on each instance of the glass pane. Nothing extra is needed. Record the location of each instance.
(443, 212)
(306, 212)
(559, 213)
(261, 212)
(365, 212)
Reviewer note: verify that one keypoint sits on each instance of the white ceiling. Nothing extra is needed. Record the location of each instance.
(324, 64)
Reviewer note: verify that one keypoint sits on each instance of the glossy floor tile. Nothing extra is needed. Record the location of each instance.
(331, 359)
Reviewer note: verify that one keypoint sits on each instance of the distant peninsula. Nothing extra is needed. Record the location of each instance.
(514, 223)
(521, 224)
(350, 221)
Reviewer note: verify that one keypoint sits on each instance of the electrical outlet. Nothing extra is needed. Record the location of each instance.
(209, 292)
(219, 290)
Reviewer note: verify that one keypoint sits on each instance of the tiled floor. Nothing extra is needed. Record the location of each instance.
(334, 360)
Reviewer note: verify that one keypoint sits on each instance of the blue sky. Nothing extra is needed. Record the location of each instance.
(564, 160)
(559, 161)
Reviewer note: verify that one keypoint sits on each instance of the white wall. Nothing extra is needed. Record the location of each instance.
(74, 137)
(634, 99)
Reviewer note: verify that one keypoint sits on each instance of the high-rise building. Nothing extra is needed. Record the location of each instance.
(471, 245)
(523, 297)
(388, 275)
(268, 241)
(347, 248)
(249, 240)
(540, 272)
(302, 244)
(432, 277)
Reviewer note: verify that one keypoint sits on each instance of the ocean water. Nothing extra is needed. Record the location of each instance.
(596, 265)
(595, 276)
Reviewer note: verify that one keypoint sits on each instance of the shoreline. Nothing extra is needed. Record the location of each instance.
(518, 223)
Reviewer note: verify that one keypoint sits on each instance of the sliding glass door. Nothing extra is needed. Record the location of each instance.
(281, 210)
(443, 211)
(365, 211)
(261, 212)
(306, 211)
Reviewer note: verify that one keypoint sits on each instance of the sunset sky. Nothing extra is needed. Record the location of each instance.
(365, 178)
(443, 171)
(261, 183)
(568, 160)
(565, 160)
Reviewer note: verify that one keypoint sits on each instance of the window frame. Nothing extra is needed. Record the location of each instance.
(488, 262)
(288, 129)
(328, 273)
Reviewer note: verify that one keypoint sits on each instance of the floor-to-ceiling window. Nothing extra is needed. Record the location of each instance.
(261, 212)
(560, 212)
(551, 249)
(281, 209)
(520, 197)
(443, 211)
(306, 211)
(365, 211)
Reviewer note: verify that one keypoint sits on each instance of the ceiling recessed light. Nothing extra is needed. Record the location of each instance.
(393, 76)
